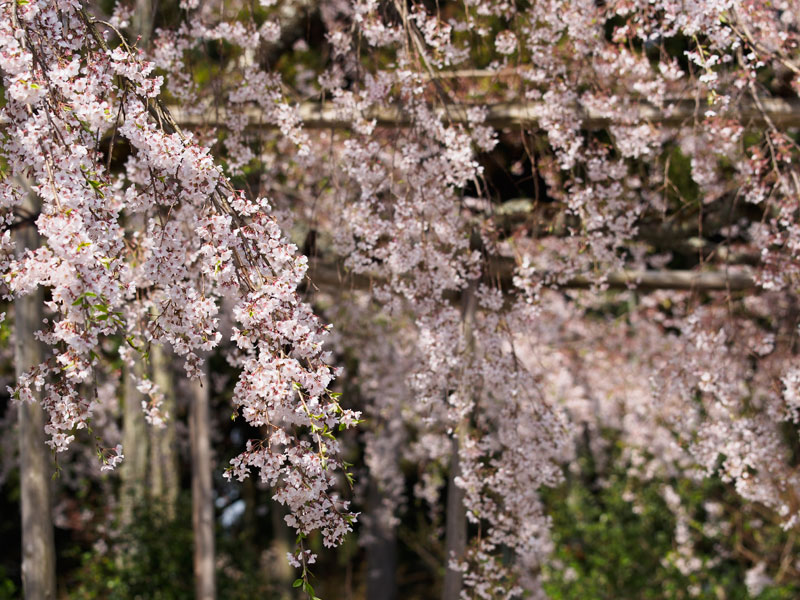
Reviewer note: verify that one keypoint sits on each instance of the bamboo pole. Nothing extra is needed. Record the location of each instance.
(381, 546)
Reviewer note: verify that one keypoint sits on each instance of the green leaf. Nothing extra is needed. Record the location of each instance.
(297, 583)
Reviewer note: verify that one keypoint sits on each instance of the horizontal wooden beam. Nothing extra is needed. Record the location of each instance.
(705, 281)
(330, 277)
(783, 112)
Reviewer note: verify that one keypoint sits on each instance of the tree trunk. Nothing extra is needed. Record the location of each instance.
(381, 549)
(164, 479)
(250, 523)
(133, 471)
(142, 22)
(282, 542)
(455, 528)
(456, 517)
(202, 489)
(35, 463)
(135, 442)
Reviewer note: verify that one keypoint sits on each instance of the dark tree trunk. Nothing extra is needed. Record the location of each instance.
(455, 529)
(456, 518)
(381, 549)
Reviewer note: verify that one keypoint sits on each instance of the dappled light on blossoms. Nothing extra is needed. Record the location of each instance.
(529, 223)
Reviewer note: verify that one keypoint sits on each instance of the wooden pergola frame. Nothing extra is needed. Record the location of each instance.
(780, 112)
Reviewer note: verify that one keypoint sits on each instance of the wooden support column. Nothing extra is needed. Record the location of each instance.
(164, 478)
(456, 518)
(35, 461)
(202, 488)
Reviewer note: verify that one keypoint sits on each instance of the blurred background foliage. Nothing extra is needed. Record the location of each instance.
(613, 537)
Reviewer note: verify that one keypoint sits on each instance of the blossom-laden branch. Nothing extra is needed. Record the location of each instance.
(392, 167)
(149, 253)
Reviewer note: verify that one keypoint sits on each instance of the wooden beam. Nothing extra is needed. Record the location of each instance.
(784, 112)
(701, 281)
(327, 276)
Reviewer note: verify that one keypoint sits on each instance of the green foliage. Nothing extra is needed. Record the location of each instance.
(604, 549)
(8, 588)
(614, 537)
(150, 559)
(681, 188)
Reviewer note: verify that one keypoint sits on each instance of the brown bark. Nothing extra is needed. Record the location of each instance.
(202, 489)
(36, 465)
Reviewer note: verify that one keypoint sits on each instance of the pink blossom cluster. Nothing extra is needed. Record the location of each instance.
(149, 253)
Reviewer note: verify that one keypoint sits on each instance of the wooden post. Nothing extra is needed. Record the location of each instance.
(281, 571)
(35, 463)
(456, 517)
(164, 480)
(381, 549)
(202, 489)
(142, 22)
(455, 528)
(133, 471)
